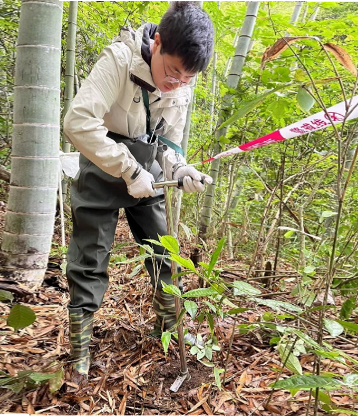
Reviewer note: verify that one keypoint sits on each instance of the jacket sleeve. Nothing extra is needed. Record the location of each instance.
(83, 123)
(170, 158)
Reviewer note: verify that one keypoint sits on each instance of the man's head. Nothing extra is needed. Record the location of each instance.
(183, 45)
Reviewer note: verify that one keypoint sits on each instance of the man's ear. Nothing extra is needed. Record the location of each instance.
(157, 41)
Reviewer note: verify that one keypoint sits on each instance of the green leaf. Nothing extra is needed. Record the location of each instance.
(309, 269)
(349, 326)
(15, 387)
(171, 289)
(194, 350)
(344, 412)
(197, 293)
(191, 307)
(289, 234)
(217, 372)
(350, 380)
(208, 352)
(210, 322)
(200, 354)
(324, 397)
(304, 99)
(236, 311)
(215, 256)
(170, 243)
(347, 308)
(333, 327)
(245, 289)
(332, 355)
(247, 106)
(327, 214)
(288, 359)
(55, 383)
(6, 380)
(20, 317)
(136, 270)
(155, 242)
(211, 306)
(278, 305)
(166, 336)
(5, 295)
(38, 377)
(187, 263)
(134, 259)
(306, 382)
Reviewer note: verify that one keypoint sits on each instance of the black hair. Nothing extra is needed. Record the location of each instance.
(186, 31)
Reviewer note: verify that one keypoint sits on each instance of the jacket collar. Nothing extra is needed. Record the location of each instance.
(139, 43)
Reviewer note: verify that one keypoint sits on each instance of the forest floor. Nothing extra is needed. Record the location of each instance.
(130, 374)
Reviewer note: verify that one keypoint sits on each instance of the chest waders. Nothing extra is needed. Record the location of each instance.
(96, 198)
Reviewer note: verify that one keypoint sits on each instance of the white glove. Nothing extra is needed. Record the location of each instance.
(139, 182)
(193, 180)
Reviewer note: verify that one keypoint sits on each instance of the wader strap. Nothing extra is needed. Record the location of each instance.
(169, 143)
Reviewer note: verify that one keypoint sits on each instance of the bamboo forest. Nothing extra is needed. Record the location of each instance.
(240, 253)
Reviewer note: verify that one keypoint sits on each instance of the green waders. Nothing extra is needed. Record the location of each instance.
(95, 200)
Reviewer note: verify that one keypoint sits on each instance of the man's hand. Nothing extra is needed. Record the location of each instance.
(139, 183)
(193, 180)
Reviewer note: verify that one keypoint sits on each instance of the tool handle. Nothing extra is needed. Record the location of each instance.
(178, 183)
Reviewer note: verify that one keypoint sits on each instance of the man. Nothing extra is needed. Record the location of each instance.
(136, 92)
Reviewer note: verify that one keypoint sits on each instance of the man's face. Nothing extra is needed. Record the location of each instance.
(167, 70)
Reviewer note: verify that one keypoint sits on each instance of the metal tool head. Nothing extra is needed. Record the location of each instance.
(179, 381)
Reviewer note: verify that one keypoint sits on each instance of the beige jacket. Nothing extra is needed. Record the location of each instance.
(109, 100)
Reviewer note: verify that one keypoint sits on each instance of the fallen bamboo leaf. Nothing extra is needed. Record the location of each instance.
(242, 382)
(198, 404)
(272, 409)
(123, 404)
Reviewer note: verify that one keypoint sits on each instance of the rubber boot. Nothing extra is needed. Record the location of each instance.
(164, 307)
(81, 325)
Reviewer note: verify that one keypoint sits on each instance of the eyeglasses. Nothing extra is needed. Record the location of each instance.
(172, 79)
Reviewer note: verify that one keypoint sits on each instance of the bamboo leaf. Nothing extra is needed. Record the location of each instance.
(215, 256)
(247, 106)
(245, 289)
(290, 361)
(347, 308)
(136, 270)
(278, 305)
(217, 372)
(306, 382)
(134, 259)
(350, 380)
(349, 326)
(197, 293)
(272, 52)
(342, 57)
(38, 377)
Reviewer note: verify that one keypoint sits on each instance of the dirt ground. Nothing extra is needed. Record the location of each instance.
(130, 374)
